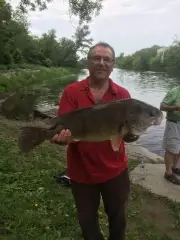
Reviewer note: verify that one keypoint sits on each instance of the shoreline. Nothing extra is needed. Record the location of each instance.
(134, 152)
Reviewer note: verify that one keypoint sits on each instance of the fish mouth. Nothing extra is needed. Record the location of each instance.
(141, 127)
(157, 121)
(138, 131)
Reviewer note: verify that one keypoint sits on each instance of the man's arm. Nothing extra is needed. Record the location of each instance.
(166, 108)
(167, 103)
(67, 103)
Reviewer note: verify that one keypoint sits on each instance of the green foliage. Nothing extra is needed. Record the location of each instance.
(83, 63)
(148, 60)
(17, 46)
(124, 62)
(47, 62)
(17, 56)
(82, 41)
(84, 9)
(155, 64)
(172, 59)
(11, 82)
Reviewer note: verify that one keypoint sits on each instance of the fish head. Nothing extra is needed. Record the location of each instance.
(143, 116)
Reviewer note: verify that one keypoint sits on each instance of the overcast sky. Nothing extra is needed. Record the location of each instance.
(128, 25)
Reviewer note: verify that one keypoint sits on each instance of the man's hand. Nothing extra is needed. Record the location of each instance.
(167, 108)
(64, 137)
(177, 107)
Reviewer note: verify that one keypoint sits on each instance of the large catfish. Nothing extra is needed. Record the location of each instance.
(104, 121)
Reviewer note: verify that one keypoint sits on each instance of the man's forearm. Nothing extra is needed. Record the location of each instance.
(167, 108)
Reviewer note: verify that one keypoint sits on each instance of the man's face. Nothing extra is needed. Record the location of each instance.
(101, 63)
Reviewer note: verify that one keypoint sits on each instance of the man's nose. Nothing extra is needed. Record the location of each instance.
(101, 61)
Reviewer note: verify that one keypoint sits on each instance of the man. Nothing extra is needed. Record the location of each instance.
(171, 141)
(94, 168)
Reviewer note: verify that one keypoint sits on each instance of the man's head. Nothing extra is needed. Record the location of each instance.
(101, 60)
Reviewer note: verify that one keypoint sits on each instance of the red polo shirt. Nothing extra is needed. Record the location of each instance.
(89, 162)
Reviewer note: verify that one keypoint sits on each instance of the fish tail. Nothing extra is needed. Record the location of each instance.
(30, 137)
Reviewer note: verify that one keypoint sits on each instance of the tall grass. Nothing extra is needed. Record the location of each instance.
(44, 76)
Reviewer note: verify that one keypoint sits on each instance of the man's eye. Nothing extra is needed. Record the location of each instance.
(107, 59)
(97, 59)
(104, 59)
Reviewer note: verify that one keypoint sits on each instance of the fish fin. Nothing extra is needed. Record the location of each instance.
(30, 137)
(115, 142)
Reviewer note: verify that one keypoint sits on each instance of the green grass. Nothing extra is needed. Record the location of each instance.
(33, 206)
(44, 77)
(16, 67)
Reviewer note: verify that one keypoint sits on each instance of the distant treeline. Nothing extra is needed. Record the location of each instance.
(18, 46)
(148, 59)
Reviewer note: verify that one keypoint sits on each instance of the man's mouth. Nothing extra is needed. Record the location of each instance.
(101, 70)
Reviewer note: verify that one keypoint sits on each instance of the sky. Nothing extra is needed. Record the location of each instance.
(128, 25)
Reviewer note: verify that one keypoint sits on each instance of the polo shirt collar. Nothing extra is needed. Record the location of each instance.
(85, 85)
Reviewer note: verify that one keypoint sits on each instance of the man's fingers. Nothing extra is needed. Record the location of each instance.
(63, 136)
(67, 133)
(54, 139)
(62, 133)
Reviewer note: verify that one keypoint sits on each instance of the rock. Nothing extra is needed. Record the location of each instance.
(135, 151)
(18, 105)
(38, 114)
(48, 111)
(153, 179)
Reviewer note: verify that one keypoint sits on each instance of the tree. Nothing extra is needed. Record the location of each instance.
(18, 46)
(17, 56)
(67, 56)
(84, 9)
(172, 59)
(82, 41)
(124, 62)
(21, 18)
(155, 64)
(48, 44)
(148, 59)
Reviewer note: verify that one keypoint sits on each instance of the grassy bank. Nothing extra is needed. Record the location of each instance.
(16, 67)
(33, 206)
(43, 76)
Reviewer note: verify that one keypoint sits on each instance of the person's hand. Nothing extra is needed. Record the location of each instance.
(64, 137)
(177, 107)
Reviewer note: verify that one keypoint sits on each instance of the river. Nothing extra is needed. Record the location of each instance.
(150, 87)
